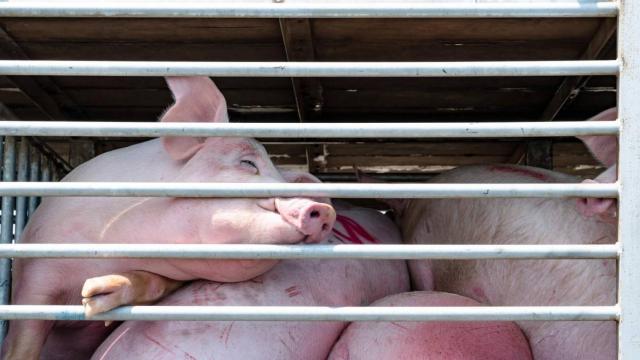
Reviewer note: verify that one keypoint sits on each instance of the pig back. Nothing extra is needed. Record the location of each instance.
(519, 282)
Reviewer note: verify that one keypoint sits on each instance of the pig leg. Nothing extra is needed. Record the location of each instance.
(103, 293)
(26, 338)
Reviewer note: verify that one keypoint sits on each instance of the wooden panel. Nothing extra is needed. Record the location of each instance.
(480, 30)
(155, 51)
(151, 30)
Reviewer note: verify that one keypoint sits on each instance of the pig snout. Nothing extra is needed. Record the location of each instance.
(313, 219)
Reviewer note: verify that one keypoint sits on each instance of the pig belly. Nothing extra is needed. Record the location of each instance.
(291, 283)
(437, 340)
(520, 282)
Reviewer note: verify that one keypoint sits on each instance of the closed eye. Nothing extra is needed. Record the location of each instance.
(250, 163)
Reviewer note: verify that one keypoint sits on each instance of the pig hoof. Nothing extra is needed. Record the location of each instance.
(101, 294)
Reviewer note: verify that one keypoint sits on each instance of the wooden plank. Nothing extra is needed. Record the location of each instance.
(149, 30)
(391, 30)
(446, 160)
(155, 51)
(357, 50)
(297, 37)
(43, 91)
(570, 86)
(423, 148)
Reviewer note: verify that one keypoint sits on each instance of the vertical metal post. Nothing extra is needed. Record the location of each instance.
(6, 233)
(629, 178)
(23, 175)
(46, 172)
(34, 175)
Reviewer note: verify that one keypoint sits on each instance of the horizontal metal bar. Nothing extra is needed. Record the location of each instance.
(265, 251)
(335, 190)
(310, 130)
(310, 69)
(318, 9)
(316, 313)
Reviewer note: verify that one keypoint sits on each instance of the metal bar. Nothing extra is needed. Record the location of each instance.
(34, 176)
(316, 313)
(308, 130)
(23, 175)
(319, 9)
(629, 205)
(338, 190)
(309, 69)
(6, 232)
(267, 251)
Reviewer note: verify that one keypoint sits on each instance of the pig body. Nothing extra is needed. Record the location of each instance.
(155, 220)
(312, 282)
(519, 282)
(431, 340)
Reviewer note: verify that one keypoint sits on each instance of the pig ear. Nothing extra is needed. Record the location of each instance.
(292, 176)
(397, 205)
(197, 99)
(603, 148)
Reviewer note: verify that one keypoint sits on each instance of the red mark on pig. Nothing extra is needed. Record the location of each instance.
(514, 170)
(355, 233)
(225, 333)
(292, 291)
(158, 343)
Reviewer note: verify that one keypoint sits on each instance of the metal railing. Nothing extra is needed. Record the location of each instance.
(627, 67)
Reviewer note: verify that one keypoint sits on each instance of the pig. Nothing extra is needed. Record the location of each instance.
(431, 340)
(154, 220)
(605, 150)
(518, 282)
(307, 282)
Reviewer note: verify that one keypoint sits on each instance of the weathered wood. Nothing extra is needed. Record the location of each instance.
(43, 91)
(570, 86)
(297, 37)
(149, 30)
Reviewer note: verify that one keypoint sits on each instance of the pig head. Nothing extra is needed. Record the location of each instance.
(605, 150)
(215, 159)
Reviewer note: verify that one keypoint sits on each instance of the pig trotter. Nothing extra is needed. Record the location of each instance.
(103, 293)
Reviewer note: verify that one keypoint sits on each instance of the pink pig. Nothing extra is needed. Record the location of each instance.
(518, 282)
(431, 340)
(605, 149)
(154, 220)
(307, 282)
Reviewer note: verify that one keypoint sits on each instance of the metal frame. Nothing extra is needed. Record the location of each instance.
(310, 69)
(627, 67)
(306, 9)
(311, 130)
(629, 179)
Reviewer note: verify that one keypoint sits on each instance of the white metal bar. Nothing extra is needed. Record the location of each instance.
(267, 251)
(629, 225)
(337, 190)
(310, 130)
(316, 313)
(297, 9)
(23, 175)
(6, 221)
(34, 176)
(309, 69)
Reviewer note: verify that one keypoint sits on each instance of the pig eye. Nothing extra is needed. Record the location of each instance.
(250, 163)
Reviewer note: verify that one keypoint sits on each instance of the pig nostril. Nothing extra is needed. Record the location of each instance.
(315, 214)
(325, 227)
